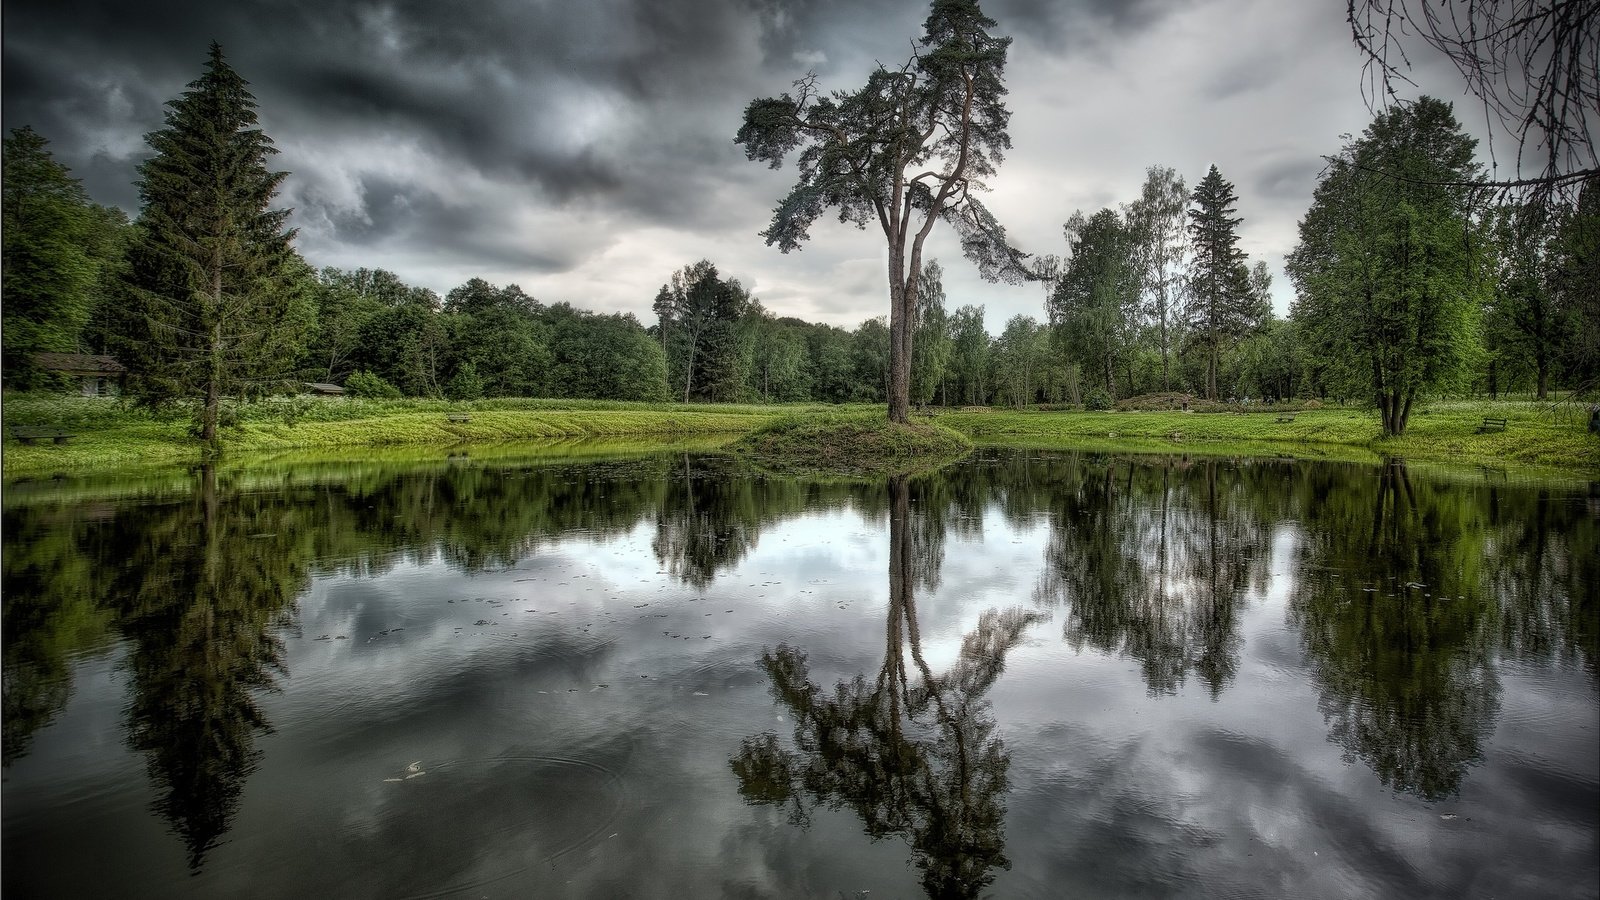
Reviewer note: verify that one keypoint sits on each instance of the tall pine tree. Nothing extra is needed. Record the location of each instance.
(215, 294)
(1220, 307)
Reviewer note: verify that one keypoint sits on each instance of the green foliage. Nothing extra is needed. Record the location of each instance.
(367, 385)
(969, 357)
(931, 344)
(57, 250)
(465, 384)
(1574, 272)
(500, 335)
(907, 149)
(782, 368)
(1224, 304)
(1020, 360)
(1096, 399)
(603, 357)
(1094, 307)
(698, 324)
(1157, 223)
(214, 301)
(1386, 277)
(869, 362)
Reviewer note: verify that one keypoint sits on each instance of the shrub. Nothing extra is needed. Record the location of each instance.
(1096, 398)
(366, 384)
(466, 385)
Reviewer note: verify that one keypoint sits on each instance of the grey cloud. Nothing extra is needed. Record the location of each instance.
(1287, 178)
(611, 122)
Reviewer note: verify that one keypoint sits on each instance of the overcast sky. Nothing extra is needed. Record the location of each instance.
(584, 148)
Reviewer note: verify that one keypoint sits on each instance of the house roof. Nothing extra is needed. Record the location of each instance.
(79, 363)
(323, 387)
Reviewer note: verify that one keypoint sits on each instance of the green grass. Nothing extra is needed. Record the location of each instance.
(115, 437)
(850, 443)
(276, 470)
(1537, 434)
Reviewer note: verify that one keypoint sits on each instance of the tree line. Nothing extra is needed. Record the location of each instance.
(1409, 281)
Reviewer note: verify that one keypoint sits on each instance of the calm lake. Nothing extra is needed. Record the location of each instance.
(1035, 674)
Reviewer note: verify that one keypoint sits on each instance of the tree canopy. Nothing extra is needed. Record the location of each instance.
(908, 149)
(1385, 268)
(217, 300)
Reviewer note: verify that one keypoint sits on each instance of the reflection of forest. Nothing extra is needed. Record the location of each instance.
(1406, 589)
(914, 759)
(1148, 557)
(1155, 559)
(1405, 592)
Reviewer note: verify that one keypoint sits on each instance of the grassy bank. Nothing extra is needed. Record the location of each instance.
(1536, 434)
(111, 437)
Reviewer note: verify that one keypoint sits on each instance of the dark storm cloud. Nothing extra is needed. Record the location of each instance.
(1052, 24)
(573, 100)
(586, 148)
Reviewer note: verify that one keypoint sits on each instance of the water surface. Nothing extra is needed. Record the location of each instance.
(1032, 675)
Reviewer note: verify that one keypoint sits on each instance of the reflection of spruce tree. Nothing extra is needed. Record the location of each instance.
(1406, 673)
(208, 586)
(916, 760)
(1153, 560)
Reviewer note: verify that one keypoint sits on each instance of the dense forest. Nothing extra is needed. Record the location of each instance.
(1427, 284)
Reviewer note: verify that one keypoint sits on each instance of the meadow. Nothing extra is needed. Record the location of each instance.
(108, 435)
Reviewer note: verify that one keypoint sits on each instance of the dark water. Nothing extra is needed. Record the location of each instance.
(1034, 675)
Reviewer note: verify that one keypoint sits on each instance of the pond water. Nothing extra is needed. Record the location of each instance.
(1030, 675)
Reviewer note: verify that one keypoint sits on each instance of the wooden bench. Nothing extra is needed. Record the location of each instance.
(28, 434)
(1287, 417)
(1492, 424)
(459, 418)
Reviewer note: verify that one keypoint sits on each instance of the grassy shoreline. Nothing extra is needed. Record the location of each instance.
(110, 437)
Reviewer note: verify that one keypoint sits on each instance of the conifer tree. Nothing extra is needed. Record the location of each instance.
(909, 149)
(1221, 306)
(215, 294)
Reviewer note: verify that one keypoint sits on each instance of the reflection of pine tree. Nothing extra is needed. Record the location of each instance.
(1154, 559)
(1407, 677)
(919, 760)
(209, 586)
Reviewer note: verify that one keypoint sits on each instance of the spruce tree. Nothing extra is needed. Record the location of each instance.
(1219, 283)
(214, 292)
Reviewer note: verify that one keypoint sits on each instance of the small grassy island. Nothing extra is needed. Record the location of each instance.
(851, 444)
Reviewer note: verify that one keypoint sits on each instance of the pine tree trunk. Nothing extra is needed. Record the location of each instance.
(902, 302)
(1211, 371)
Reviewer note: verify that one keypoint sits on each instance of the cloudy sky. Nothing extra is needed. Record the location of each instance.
(584, 148)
